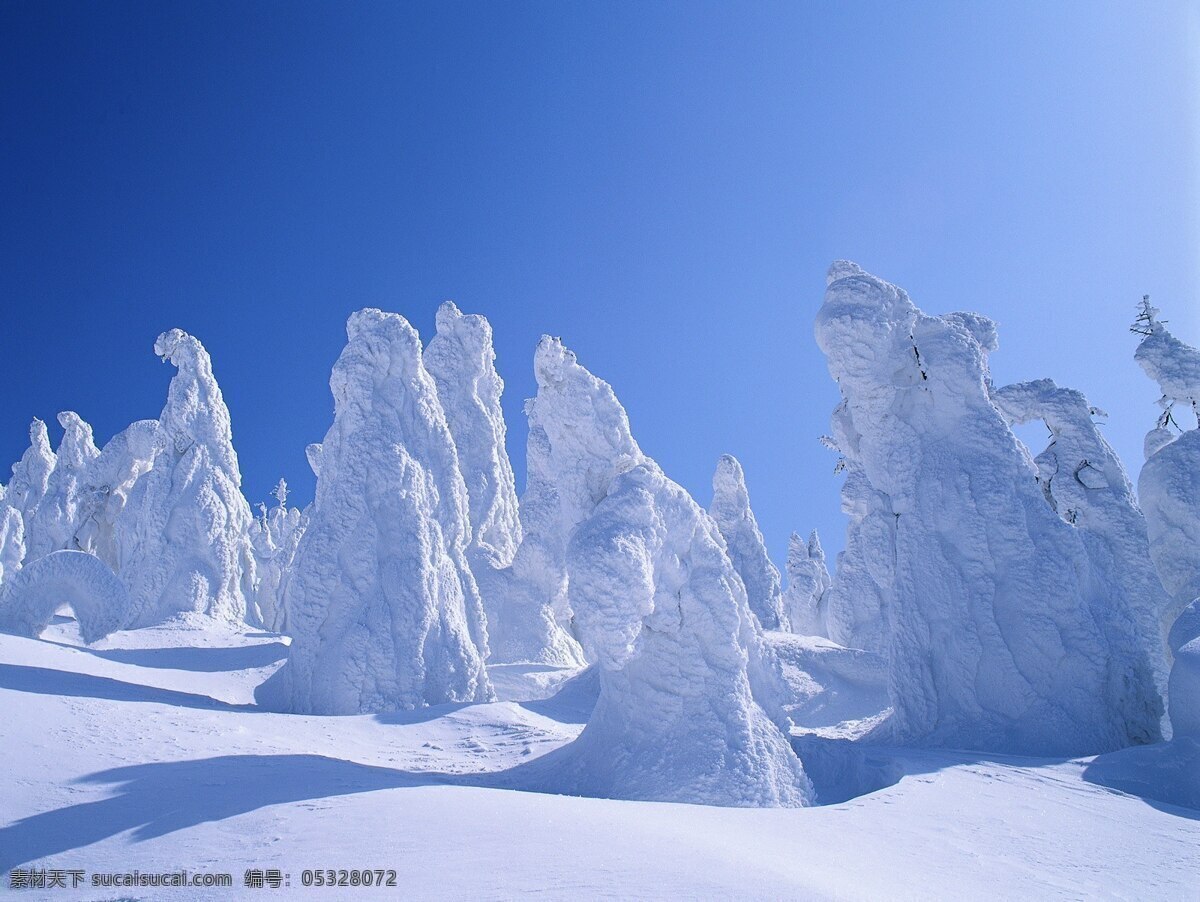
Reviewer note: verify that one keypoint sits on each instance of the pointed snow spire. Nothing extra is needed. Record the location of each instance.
(381, 604)
(31, 474)
(53, 525)
(808, 583)
(730, 509)
(688, 709)
(203, 563)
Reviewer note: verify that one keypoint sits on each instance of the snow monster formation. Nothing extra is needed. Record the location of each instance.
(1169, 493)
(52, 526)
(1005, 633)
(183, 533)
(31, 474)
(274, 536)
(685, 684)
(381, 604)
(806, 596)
(730, 509)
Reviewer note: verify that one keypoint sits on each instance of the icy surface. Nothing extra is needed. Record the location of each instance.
(82, 581)
(659, 607)
(806, 598)
(381, 604)
(730, 509)
(1005, 632)
(52, 527)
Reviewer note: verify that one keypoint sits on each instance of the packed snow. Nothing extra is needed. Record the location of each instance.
(602, 688)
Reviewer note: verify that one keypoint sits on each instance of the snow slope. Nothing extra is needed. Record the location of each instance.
(142, 752)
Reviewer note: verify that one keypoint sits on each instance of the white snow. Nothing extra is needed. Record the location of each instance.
(807, 596)
(52, 526)
(381, 604)
(1006, 634)
(82, 581)
(730, 509)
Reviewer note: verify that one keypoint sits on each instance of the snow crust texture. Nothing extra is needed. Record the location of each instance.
(686, 683)
(730, 509)
(381, 603)
(1009, 628)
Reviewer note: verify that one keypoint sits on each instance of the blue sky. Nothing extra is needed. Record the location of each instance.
(663, 185)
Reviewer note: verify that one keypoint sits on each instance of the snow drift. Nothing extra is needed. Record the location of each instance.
(381, 604)
(1005, 633)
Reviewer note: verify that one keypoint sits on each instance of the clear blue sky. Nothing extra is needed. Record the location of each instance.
(661, 184)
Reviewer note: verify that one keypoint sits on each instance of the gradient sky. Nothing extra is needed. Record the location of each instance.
(661, 184)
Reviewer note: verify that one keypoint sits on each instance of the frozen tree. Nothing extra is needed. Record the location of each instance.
(686, 683)
(808, 585)
(31, 474)
(461, 359)
(1169, 484)
(274, 537)
(52, 526)
(29, 599)
(1005, 632)
(1184, 693)
(381, 604)
(730, 509)
(12, 541)
(183, 532)
(855, 610)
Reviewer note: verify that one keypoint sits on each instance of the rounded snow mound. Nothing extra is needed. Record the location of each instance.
(83, 581)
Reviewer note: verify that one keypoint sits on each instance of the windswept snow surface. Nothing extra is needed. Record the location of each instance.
(141, 753)
(1006, 633)
(730, 509)
(381, 604)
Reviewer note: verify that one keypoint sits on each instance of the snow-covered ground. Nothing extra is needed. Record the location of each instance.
(145, 752)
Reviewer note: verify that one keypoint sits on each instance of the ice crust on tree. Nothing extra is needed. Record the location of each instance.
(855, 610)
(183, 533)
(29, 599)
(274, 537)
(31, 474)
(1005, 632)
(461, 359)
(12, 541)
(52, 526)
(381, 604)
(685, 681)
(808, 586)
(730, 509)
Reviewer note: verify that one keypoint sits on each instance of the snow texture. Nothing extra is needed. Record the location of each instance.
(855, 614)
(12, 542)
(52, 526)
(730, 509)
(684, 675)
(274, 537)
(1006, 633)
(183, 532)
(806, 597)
(31, 474)
(28, 600)
(1184, 693)
(381, 604)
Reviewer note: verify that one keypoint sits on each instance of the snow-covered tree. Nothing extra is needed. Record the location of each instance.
(1005, 633)
(808, 585)
(274, 537)
(855, 610)
(31, 474)
(52, 526)
(686, 683)
(730, 509)
(30, 597)
(381, 604)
